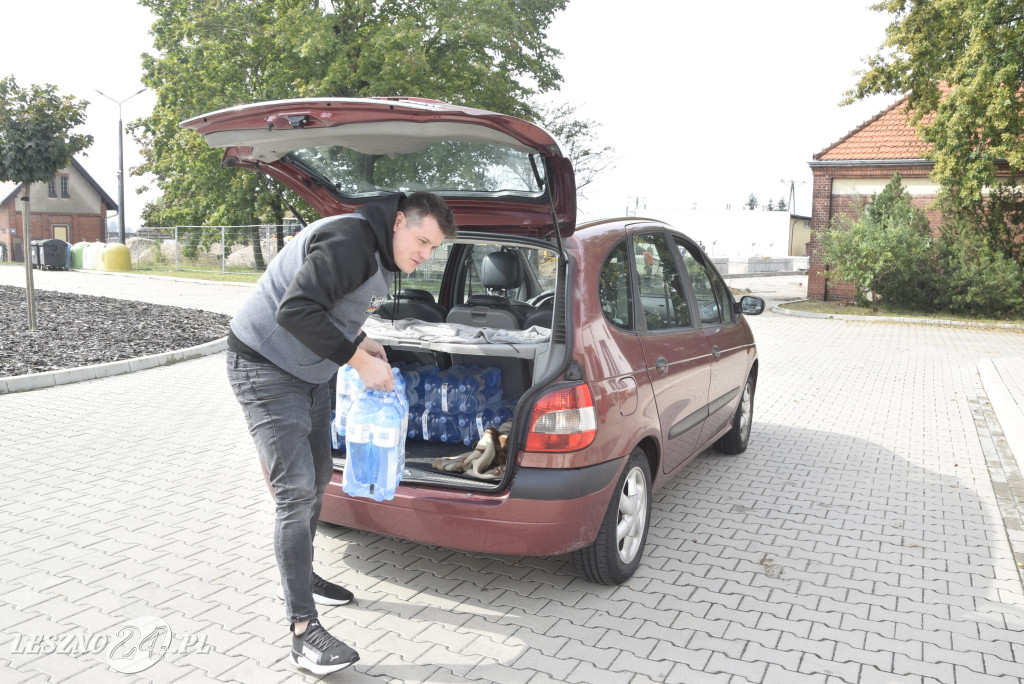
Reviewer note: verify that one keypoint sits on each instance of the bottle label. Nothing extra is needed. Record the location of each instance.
(444, 397)
(359, 432)
(386, 437)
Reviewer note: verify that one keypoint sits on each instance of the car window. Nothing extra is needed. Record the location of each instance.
(722, 295)
(713, 299)
(614, 293)
(661, 289)
(428, 274)
(538, 270)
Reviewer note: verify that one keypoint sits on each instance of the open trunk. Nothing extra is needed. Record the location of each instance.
(475, 323)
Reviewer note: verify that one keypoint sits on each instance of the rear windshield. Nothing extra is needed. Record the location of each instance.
(445, 167)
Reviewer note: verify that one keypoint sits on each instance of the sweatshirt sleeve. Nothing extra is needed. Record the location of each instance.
(338, 260)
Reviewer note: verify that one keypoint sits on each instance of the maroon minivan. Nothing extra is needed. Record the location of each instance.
(621, 349)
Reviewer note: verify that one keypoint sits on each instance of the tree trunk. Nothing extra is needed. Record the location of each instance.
(26, 241)
(257, 250)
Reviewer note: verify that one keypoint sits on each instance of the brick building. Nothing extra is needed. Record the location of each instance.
(857, 166)
(71, 207)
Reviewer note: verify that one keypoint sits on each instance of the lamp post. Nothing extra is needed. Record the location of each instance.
(120, 165)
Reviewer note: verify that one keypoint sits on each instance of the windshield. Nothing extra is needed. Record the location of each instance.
(445, 167)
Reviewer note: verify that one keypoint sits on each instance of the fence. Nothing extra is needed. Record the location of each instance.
(224, 249)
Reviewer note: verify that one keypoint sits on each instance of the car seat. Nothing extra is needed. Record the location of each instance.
(412, 303)
(499, 273)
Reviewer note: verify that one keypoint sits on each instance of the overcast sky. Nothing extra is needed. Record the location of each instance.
(704, 103)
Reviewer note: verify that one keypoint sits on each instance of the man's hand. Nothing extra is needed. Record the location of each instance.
(373, 348)
(375, 372)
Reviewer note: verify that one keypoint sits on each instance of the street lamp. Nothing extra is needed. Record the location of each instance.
(120, 165)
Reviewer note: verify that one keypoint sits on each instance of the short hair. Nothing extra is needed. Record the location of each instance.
(419, 204)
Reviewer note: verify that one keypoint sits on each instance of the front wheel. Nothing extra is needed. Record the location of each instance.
(735, 440)
(615, 554)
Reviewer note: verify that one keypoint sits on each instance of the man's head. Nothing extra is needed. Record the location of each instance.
(421, 225)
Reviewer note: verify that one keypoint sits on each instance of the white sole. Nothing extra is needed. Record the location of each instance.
(305, 664)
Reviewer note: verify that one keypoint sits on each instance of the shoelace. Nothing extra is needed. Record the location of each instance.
(319, 638)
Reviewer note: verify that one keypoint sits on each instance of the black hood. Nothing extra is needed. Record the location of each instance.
(381, 214)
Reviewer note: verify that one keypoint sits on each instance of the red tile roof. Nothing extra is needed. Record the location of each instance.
(887, 135)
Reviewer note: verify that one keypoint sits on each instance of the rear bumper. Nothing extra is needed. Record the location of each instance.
(546, 512)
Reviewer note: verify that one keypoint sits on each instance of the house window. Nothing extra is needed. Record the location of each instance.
(53, 187)
(64, 187)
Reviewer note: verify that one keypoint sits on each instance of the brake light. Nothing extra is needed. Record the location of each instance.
(563, 420)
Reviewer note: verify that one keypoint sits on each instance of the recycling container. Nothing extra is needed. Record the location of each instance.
(115, 257)
(91, 256)
(77, 252)
(53, 254)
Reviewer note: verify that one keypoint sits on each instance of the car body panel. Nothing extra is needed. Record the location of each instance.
(482, 523)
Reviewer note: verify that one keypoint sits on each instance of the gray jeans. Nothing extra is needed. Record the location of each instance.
(290, 423)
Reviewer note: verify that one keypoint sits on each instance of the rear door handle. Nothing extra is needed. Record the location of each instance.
(661, 364)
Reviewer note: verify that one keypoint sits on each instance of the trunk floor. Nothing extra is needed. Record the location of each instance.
(419, 456)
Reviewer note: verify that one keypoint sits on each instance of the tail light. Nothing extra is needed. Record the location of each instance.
(563, 420)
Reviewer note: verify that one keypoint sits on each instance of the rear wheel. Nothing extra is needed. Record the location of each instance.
(615, 554)
(735, 440)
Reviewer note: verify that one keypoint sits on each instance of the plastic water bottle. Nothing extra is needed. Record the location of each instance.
(504, 412)
(431, 388)
(488, 397)
(479, 378)
(449, 394)
(389, 443)
(403, 400)
(348, 388)
(448, 429)
(415, 430)
(472, 425)
(362, 459)
(428, 425)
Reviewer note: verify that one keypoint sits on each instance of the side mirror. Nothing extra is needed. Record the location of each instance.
(750, 306)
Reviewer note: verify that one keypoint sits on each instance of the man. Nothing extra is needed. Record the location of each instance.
(286, 343)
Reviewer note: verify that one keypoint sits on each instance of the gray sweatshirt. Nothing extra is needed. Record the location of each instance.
(308, 307)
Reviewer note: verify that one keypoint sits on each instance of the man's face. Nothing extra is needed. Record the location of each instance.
(413, 242)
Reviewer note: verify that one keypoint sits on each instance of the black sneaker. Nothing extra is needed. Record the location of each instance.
(325, 593)
(320, 653)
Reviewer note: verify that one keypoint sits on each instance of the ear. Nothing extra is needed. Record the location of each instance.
(399, 221)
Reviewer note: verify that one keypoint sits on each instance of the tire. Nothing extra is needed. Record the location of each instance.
(615, 554)
(736, 439)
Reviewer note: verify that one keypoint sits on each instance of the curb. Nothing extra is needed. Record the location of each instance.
(946, 323)
(65, 376)
(1009, 414)
(142, 274)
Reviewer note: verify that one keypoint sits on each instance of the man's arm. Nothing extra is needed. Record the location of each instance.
(338, 260)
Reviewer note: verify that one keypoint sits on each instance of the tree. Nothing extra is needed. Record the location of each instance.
(959, 64)
(887, 250)
(35, 143)
(219, 53)
(752, 202)
(579, 136)
(781, 205)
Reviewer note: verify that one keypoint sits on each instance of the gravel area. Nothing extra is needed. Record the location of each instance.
(80, 330)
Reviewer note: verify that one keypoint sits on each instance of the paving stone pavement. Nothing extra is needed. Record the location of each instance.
(860, 538)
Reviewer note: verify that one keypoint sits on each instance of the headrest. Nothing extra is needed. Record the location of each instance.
(413, 294)
(501, 271)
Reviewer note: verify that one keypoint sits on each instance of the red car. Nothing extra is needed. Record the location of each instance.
(617, 370)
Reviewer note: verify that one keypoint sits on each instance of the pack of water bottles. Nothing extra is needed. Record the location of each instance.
(455, 405)
(374, 426)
